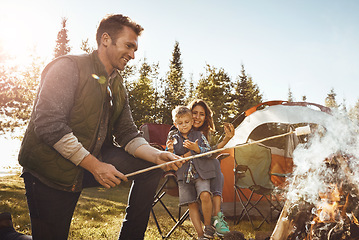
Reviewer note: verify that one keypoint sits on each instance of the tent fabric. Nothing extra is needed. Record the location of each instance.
(256, 123)
(277, 113)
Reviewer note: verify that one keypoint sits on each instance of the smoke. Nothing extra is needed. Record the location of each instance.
(337, 135)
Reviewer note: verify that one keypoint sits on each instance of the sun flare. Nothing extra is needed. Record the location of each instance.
(22, 36)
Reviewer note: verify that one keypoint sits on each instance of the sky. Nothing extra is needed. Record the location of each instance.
(309, 47)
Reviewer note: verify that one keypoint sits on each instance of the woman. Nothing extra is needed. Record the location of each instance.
(203, 121)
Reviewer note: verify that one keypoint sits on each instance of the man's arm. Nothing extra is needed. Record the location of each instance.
(151, 154)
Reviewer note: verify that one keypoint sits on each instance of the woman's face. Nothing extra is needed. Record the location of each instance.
(198, 115)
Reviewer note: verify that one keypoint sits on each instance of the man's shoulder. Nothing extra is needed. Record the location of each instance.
(66, 60)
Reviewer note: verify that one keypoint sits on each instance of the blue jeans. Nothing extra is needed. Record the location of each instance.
(190, 192)
(51, 210)
(218, 181)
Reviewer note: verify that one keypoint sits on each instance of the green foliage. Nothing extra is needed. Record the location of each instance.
(143, 96)
(246, 94)
(215, 88)
(62, 42)
(86, 47)
(128, 73)
(174, 94)
(17, 93)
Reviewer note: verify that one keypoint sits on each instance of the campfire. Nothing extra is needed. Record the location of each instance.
(334, 215)
(322, 201)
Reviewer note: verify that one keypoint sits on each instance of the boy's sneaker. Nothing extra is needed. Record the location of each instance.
(202, 238)
(220, 224)
(209, 231)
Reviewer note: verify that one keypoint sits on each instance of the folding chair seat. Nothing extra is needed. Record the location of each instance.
(253, 186)
(156, 135)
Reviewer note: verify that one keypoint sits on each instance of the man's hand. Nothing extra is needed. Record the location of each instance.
(168, 157)
(192, 145)
(106, 174)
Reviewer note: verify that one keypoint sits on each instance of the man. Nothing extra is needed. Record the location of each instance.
(81, 130)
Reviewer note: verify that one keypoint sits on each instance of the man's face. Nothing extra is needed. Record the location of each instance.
(122, 50)
(184, 123)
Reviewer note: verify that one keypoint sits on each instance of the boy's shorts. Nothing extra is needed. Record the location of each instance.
(190, 192)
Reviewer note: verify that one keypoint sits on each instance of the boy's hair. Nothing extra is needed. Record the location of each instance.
(113, 25)
(180, 111)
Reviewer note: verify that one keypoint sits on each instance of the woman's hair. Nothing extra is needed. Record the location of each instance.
(113, 25)
(208, 125)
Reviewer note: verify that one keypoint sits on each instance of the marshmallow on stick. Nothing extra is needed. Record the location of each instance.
(302, 130)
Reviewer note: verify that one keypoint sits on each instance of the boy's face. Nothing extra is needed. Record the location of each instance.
(184, 123)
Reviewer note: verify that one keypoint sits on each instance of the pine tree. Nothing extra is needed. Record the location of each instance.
(246, 94)
(330, 99)
(215, 87)
(354, 112)
(290, 95)
(174, 92)
(142, 96)
(85, 46)
(191, 89)
(62, 47)
(127, 74)
(344, 106)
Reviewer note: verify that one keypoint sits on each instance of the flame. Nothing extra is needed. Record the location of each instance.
(329, 209)
(355, 220)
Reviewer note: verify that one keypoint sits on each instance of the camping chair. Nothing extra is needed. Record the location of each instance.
(156, 135)
(253, 186)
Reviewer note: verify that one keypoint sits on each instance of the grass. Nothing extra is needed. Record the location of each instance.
(100, 212)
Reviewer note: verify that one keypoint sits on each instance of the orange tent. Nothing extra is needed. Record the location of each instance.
(265, 120)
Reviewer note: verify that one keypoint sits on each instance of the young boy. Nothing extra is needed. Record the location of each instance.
(194, 176)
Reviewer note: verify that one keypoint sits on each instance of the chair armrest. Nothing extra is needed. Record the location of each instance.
(222, 156)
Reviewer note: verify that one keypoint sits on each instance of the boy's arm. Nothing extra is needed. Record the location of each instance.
(199, 146)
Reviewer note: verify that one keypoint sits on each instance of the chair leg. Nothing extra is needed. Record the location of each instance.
(244, 201)
(248, 205)
(178, 223)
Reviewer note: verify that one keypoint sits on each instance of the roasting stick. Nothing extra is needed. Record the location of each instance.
(298, 131)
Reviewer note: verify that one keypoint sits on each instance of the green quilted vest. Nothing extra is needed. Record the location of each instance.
(84, 120)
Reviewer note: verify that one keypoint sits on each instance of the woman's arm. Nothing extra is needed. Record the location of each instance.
(229, 133)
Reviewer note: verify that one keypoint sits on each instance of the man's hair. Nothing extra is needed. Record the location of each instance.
(180, 111)
(113, 25)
